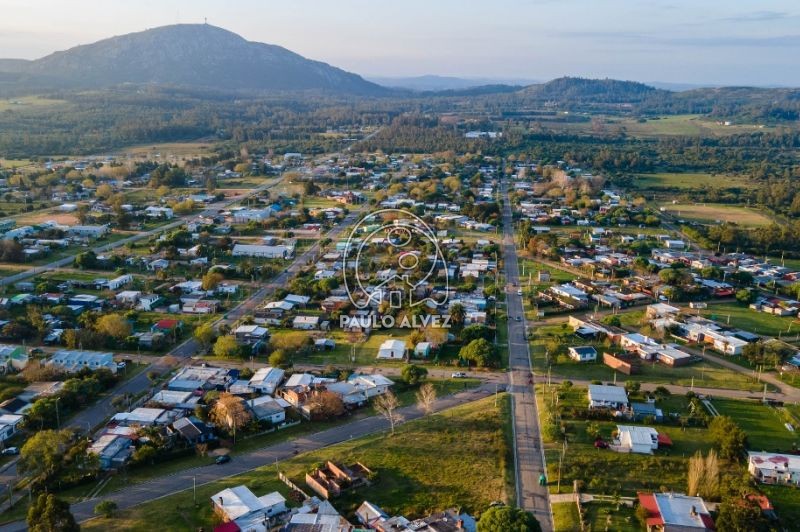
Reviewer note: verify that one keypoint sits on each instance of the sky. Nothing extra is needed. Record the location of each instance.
(721, 42)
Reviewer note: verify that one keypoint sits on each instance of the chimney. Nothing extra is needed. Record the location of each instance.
(693, 512)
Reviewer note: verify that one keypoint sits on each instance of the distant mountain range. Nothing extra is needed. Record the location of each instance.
(197, 55)
(429, 83)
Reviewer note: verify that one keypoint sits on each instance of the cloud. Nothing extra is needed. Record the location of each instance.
(759, 16)
(721, 41)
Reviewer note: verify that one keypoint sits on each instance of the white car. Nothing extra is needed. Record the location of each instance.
(519, 292)
(458, 375)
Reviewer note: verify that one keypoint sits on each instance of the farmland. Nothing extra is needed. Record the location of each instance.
(715, 213)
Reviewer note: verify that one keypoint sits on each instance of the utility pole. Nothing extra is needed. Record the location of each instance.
(560, 462)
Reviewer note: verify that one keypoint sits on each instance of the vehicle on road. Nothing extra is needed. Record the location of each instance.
(224, 459)
(458, 375)
(519, 292)
(519, 319)
(121, 365)
(10, 451)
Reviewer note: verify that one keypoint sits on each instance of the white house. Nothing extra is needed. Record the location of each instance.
(118, 282)
(605, 396)
(159, 212)
(636, 439)
(72, 361)
(267, 380)
(264, 252)
(91, 231)
(306, 323)
(8, 425)
(392, 350)
(240, 505)
(583, 354)
(774, 468)
(372, 385)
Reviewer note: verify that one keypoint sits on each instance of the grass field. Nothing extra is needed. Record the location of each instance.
(26, 102)
(605, 472)
(715, 213)
(751, 320)
(685, 125)
(689, 180)
(168, 150)
(456, 458)
(763, 424)
(786, 501)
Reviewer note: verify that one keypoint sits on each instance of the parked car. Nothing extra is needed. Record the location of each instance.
(458, 375)
(600, 444)
(10, 451)
(223, 459)
(519, 292)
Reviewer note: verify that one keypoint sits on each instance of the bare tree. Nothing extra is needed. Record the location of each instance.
(426, 396)
(387, 405)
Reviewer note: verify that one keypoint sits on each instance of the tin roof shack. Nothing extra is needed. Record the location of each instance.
(332, 479)
(677, 512)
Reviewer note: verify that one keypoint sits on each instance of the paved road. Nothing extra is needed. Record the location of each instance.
(161, 487)
(529, 451)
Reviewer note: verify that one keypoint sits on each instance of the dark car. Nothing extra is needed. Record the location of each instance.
(224, 459)
(600, 444)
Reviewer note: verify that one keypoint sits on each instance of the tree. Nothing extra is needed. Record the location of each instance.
(230, 411)
(457, 315)
(728, 437)
(86, 260)
(413, 374)
(426, 397)
(326, 405)
(211, 280)
(104, 191)
(508, 519)
(475, 331)
(278, 359)
(633, 386)
(205, 334)
(741, 515)
(226, 347)
(703, 476)
(106, 508)
(479, 351)
(387, 405)
(50, 514)
(745, 296)
(114, 325)
(42, 456)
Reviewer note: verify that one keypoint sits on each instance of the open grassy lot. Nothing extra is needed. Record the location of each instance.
(702, 374)
(689, 180)
(456, 458)
(685, 125)
(763, 424)
(716, 213)
(167, 150)
(751, 320)
(605, 472)
(565, 516)
(20, 103)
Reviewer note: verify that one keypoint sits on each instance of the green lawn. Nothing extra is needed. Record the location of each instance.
(456, 458)
(688, 180)
(786, 501)
(565, 517)
(763, 424)
(751, 320)
(605, 472)
(603, 516)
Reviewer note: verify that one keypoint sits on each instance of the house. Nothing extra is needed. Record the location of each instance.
(305, 323)
(317, 516)
(128, 297)
(167, 326)
(266, 380)
(266, 408)
(351, 395)
(297, 300)
(72, 361)
(423, 349)
(248, 512)
(173, 398)
(148, 302)
(12, 358)
(264, 252)
(89, 231)
(774, 468)
(675, 512)
(145, 417)
(118, 282)
(201, 306)
(112, 450)
(372, 385)
(159, 212)
(198, 378)
(250, 334)
(636, 439)
(392, 350)
(9, 424)
(251, 215)
(324, 344)
(605, 396)
(583, 354)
